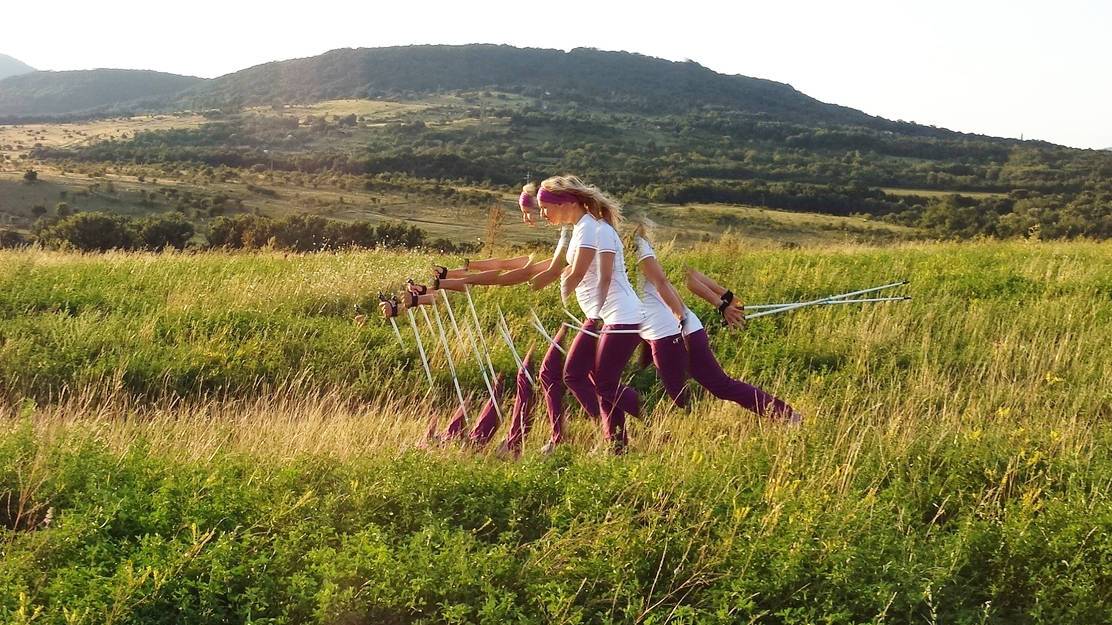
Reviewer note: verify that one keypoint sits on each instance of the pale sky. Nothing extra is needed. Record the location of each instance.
(1042, 69)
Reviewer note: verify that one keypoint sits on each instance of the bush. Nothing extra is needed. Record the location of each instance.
(163, 231)
(11, 238)
(30, 176)
(92, 231)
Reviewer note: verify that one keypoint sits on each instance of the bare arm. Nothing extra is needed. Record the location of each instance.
(584, 256)
(712, 292)
(491, 264)
(605, 275)
(654, 273)
(507, 278)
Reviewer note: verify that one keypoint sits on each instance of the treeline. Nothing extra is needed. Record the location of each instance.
(313, 233)
(710, 155)
(99, 232)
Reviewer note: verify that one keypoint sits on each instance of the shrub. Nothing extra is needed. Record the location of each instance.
(162, 231)
(92, 231)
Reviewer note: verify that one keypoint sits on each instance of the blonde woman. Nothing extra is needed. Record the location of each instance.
(678, 341)
(596, 274)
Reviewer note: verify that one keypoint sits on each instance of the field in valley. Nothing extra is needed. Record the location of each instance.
(212, 437)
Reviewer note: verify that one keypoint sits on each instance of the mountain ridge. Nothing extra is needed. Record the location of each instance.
(11, 66)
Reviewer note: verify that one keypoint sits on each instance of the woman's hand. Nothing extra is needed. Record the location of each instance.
(734, 314)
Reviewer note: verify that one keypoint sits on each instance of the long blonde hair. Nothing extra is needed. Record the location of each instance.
(600, 205)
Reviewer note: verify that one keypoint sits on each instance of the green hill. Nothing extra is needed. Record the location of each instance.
(87, 92)
(10, 66)
(616, 79)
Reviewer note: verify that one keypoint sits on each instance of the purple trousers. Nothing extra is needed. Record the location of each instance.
(578, 375)
(669, 357)
(488, 418)
(524, 401)
(615, 348)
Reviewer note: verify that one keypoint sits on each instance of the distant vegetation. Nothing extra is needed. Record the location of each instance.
(99, 232)
(485, 117)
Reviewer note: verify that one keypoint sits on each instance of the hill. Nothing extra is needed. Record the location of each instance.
(616, 79)
(10, 66)
(88, 92)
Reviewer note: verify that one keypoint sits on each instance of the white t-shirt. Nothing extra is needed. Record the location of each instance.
(622, 305)
(585, 235)
(659, 322)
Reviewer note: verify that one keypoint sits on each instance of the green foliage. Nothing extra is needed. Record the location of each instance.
(164, 231)
(87, 232)
(312, 233)
(918, 535)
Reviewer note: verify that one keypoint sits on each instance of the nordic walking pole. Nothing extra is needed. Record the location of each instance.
(505, 328)
(479, 328)
(393, 323)
(478, 355)
(837, 301)
(448, 356)
(823, 300)
(420, 347)
(540, 328)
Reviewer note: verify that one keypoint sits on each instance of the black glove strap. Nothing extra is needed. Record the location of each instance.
(392, 304)
(727, 299)
(419, 289)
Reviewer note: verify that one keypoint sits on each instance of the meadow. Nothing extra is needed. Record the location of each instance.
(214, 437)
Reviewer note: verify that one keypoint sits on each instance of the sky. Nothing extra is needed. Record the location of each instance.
(1040, 70)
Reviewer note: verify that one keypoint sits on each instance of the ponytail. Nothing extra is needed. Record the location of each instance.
(597, 203)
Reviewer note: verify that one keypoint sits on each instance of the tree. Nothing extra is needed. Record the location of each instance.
(30, 176)
(63, 210)
(90, 232)
(159, 232)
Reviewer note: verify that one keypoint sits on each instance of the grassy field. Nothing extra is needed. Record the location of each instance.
(212, 438)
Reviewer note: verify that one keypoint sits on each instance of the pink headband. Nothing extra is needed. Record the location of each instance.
(557, 197)
(526, 200)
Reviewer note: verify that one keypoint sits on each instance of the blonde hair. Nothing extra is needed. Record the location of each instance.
(600, 205)
(530, 189)
(637, 226)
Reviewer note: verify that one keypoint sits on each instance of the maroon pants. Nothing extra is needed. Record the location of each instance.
(522, 417)
(488, 418)
(669, 357)
(578, 375)
(615, 348)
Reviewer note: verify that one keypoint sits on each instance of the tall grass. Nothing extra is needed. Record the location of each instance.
(955, 466)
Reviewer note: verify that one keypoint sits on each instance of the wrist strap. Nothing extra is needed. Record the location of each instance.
(391, 302)
(413, 299)
(420, 289)
(727, 299)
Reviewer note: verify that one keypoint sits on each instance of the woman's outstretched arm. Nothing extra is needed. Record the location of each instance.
(714, 294)
(654, 273)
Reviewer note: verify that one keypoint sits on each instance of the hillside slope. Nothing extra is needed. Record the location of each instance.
(10, 66)
(43, 94)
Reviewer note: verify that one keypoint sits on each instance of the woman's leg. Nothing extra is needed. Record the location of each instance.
(522, 417)
(552, 384)
(579, 369)
(488, 418)
(709, 374)
(670, 357)
(456, 423)
(614, 351)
